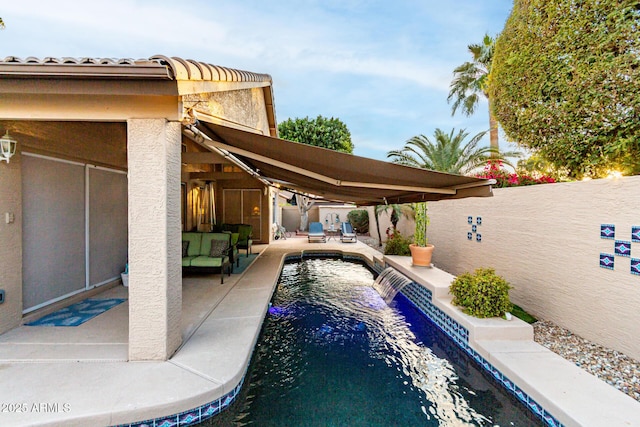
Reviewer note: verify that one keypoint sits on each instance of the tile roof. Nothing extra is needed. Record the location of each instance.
(158, 67)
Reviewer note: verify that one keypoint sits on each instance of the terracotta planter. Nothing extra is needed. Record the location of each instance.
(421, 256)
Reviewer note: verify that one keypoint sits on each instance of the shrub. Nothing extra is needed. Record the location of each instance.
(481, 294)
(359, 219)
(398, 245)
(494, 170)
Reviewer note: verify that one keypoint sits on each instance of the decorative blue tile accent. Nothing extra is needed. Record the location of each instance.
(479, 220)
(210, 409)
(537, 409)
(635, 266)
(470, 235)
(474, 228)
(635, 233)
(189, 417)
(606, 261)
(622, 248)
(470, 219)
(607, 231)
(478, 237)
(171, 421)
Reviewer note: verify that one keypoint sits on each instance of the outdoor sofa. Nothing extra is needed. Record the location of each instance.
(207, 252)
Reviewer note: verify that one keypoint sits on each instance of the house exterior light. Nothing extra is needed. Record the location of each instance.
(7, 147)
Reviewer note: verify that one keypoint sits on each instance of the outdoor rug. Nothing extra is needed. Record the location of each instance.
(78, 313)
(244, 263)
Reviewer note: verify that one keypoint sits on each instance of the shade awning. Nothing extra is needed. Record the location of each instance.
(338, 176)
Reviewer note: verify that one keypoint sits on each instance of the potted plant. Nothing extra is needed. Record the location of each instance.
(421, 250)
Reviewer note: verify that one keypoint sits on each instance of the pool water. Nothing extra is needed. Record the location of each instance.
(333, 353)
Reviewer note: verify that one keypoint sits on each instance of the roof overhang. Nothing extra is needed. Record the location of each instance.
(66, 88)
(337, 176)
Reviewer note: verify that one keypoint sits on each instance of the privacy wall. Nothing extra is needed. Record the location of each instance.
(570, 250)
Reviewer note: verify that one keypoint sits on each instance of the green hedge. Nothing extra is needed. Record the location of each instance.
(359, 219)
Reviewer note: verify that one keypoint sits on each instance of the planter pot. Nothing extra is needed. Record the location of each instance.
(421, 256)
(125, 279)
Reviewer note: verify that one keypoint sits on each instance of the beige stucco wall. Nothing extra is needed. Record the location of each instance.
(545, 240)
(291, 217)
(328, 213)
(245, 107)
(11, 246)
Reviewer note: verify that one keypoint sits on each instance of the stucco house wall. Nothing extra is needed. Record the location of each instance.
(546, 241)
(11, 247)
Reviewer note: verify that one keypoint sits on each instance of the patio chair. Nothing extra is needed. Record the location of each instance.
(245, 237)
(316, 232)
(347, 234)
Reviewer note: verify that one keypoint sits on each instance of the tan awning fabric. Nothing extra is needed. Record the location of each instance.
(339, 176)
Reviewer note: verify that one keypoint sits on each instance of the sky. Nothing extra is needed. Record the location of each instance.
(383, 68)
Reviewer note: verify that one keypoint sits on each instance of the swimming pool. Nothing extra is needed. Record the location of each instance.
(332, 353)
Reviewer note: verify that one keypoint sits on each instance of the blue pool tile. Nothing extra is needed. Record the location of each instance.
(479, 220)
(210, 409)
(521, 395)
(537, 409)
(188, 418)
(508, 384)
(635, 233)
(470, 235)
(474, 228)
(470, 220)
(550, 420)
(478, 237)
(171, 421)
(622, 248)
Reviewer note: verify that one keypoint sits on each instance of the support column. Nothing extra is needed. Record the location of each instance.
(155, 268)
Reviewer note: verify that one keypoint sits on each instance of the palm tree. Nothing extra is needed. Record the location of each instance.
(471, 80)
(449, 153)
(1, 24)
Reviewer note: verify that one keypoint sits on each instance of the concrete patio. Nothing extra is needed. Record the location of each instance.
(79, 376)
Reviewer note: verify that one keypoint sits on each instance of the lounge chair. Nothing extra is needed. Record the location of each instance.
(316, 232)
(347, 234)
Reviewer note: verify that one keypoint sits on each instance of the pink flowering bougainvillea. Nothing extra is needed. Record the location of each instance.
(495, 170)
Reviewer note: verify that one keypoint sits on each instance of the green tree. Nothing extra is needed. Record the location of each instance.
(566, 83)
(322, 132)
(535, 165)
(471, 81)
(450, 152)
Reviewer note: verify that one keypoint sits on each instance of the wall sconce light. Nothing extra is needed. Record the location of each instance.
(7, 147)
